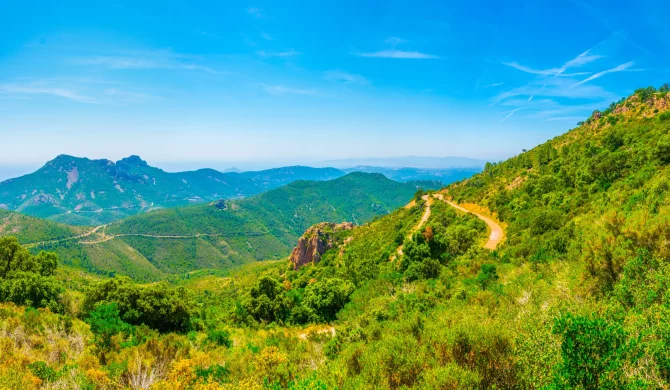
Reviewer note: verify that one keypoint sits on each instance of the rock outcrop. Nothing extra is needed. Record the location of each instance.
(315, 242)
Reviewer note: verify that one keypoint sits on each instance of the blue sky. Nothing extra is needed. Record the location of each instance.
(296, 82)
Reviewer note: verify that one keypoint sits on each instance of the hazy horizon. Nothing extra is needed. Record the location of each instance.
(9, 171)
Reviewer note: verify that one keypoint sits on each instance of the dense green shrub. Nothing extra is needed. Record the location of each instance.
(157, 306)
(26, 279)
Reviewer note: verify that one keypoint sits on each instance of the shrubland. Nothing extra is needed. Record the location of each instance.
(575, 297)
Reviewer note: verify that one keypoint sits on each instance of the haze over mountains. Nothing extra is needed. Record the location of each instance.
(82, 191)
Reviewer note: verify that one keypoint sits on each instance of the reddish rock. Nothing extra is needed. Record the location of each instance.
(315, 242)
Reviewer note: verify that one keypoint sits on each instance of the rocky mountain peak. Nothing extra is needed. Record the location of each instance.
(133, 160)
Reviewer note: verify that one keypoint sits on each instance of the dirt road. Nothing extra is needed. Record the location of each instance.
(497, 232)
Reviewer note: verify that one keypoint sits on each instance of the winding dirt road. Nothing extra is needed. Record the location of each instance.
(89, 233)
(424, 219)
(497, 232)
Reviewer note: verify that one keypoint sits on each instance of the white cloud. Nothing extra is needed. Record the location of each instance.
(619, 68)
(581, 60)
(42, 89)
(163, 59)
(393, 41)
(256, 12)
(542, 72)
(128, 96)
(266, 36)
(280, 90)
(344, 77)
(402, 54)
(282, 54)
(510, 113)
(557, 87)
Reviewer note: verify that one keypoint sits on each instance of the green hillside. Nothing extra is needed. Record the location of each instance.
(80, 191)
(575, 297)
(220, 234)
(30, 230)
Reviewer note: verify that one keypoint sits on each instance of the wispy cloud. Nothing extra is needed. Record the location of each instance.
(492, 85)
(619, 68)
(162, 59)
(280, 90)
(282, 54)
(510, 113)
(396, 53)
(403, 54)
(542, 72)
(344, 77)
(256, 12)
(128, 96)
(581, 60)
(266, 36)
(38, 88)
(556, 87)
(394, 41)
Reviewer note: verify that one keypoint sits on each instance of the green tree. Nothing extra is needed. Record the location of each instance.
(105, 323)
(267, 302)
(26, 279)
(593, 351)
(327, 297)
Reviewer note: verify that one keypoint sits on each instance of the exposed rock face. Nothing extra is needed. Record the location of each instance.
(315, 241)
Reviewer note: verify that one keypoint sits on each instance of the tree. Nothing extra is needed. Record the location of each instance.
(105, 323)
(267, 302)
(327, 297)
(593, 351)
(158, 306)
(26, 279)
(488, 274)
(662, 150)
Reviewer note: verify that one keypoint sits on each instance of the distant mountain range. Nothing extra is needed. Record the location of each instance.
(402, 174)
(450, 162)
(81, 191)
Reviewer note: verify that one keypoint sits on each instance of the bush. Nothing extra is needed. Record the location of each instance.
(157, 306)
(325, 298)
(593, 352)
(26, 279)
(220, 338)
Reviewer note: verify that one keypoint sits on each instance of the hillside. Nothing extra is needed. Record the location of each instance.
(574, 296)
(80, 191)
(151, 245)
(29, 229)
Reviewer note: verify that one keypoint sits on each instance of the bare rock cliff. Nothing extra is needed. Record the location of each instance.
(315, 241)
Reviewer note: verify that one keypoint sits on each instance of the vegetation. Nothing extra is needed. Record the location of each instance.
(80, 191)
(576, 297)
(222, 234)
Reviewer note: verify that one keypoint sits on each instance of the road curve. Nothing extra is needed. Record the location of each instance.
(424, 219)
(497, 232)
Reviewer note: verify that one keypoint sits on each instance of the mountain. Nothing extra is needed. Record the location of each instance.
(409, 161)
(406, 174)
(80, 191)
(219, 234)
